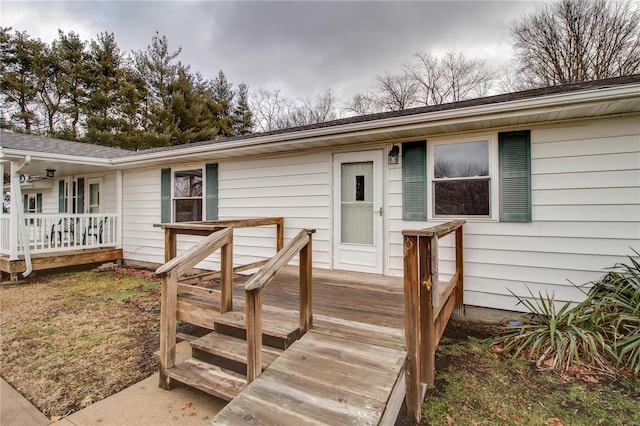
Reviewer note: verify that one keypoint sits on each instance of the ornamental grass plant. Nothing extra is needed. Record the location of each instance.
(601, 333)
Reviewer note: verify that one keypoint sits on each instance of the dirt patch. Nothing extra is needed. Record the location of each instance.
(73, 338)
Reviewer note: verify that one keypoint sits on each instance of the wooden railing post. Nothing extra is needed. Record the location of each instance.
(253, 313)
(412, 327)
(427, 318)
(459, 267)
(279, 234)
(226, 278)
(306, 304)
(168, 306)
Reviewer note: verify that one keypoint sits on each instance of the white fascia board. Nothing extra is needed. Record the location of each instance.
(480, 112)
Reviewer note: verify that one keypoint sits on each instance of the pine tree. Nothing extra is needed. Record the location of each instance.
(242, 115)
(21, 56)
(223, 95)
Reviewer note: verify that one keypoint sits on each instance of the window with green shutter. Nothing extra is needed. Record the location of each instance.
(515, 176)
(414, 180)
(212, 192)
(182, 197)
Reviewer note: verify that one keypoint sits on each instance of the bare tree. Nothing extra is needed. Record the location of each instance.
(575, 40)
(270, 109)
(274, 111)
(363, 104)
(396, 92)
(451, 78)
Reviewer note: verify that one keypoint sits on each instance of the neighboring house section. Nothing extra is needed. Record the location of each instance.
(547, 180)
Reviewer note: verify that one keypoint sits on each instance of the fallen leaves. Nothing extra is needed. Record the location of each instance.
(185, 405)
(554, 421)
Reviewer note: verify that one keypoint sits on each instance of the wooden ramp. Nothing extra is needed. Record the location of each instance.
(323, 379)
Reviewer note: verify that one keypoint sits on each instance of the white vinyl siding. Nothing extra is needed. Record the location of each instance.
(585, 218)
(296, 188)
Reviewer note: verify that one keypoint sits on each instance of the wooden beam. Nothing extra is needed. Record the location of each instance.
(412, 328)
(435, 231)
(253, 314)
(306, 302)
(427, 335)
(284, 256)
(226, 269)
(459, 267)
(197, 253)
(168, 307)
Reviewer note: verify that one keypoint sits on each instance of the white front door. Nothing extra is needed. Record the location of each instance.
(94, 195)
(357, 211)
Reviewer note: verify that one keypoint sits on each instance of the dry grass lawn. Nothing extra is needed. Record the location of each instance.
(70, 339)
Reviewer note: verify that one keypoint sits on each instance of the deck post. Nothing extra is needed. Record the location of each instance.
(427, 319)
(253, 312)
(279, 234)
(412, 328)
(226, 279)
(306, 304)
(459, 267)
(168, 306)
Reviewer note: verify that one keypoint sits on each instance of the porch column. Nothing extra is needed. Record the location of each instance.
(119, 204)
(16, 205)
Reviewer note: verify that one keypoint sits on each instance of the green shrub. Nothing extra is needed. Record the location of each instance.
(603, 331)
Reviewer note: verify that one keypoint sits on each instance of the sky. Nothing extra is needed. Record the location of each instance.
(297, 47)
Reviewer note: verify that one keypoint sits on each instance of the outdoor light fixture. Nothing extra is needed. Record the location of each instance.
(394, 154)
(51, 173)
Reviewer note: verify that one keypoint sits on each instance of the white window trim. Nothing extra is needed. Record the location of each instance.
(203, 172)
(494, 198)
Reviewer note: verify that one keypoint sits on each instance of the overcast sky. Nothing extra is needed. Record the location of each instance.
(297, 47)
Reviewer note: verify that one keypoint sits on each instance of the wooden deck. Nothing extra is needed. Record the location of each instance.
(316, 347)
(60, 259)
(348, 369)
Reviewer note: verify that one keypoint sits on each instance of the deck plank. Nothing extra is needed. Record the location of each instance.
(320, 380)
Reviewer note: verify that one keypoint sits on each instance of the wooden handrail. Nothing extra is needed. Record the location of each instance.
(428, 305)
(261, 278)
(435, 231)
(196, 253)
(301, 244)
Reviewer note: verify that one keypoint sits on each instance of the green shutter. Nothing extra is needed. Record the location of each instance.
(61, 205)
(39, 202)
(414, 180)
(80, 196)
(165, 196)
(25, 203)
(212, 192)
(515, 176)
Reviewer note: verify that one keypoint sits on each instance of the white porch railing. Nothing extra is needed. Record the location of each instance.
(58, 232)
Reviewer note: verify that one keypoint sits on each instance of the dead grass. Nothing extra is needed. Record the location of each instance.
(70, 339)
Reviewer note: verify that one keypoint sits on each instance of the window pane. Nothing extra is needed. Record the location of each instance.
(188, 183)
(357, 202)
(466, 159)
(462, 197)
(189, 210)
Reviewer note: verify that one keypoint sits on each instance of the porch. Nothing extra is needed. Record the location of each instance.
(49, 241)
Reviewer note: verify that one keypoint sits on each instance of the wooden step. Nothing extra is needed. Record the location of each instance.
(197, 310)
(214, 380)
(279, 328)
(229, 352)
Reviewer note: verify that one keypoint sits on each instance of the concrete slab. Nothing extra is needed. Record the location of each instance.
(146, 404)
(15, 410)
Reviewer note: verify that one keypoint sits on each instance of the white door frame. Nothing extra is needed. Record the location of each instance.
(359, 257)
